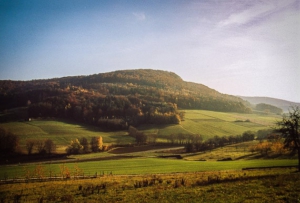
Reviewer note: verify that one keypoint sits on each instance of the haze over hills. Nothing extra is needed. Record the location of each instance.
(280, 103)
(123, 97)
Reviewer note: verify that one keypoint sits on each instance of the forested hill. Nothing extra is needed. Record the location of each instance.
(124, 97)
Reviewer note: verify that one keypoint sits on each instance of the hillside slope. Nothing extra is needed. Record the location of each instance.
(116, 98)
(283, 104)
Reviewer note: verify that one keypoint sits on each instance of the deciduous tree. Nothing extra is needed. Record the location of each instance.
(290, 130)
(29, 146)
(9, 142)
(50, 147)
(85, 144)
(96, 144)
(75, 147)
(40, 146)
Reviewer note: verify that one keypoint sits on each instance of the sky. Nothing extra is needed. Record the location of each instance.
(237, 47)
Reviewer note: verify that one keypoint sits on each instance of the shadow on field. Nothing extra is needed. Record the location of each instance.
(133, 149)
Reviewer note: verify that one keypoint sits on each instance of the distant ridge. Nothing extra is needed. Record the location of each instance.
(280, 103)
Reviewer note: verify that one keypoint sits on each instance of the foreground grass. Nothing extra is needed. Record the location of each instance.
(276, 185)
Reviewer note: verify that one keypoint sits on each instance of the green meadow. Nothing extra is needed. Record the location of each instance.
(205, 123)
(139, 166)
(136, 174)
(211, 123)
(62, 132)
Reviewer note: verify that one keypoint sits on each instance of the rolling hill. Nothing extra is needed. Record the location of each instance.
(115, 99)
(283, 104)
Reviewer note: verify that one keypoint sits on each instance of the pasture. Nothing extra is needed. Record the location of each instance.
(137, 166)
(62, 132)
(205, 123)
(211, 123)
(137, 174)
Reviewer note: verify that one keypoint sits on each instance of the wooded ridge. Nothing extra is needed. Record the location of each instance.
(116, 99)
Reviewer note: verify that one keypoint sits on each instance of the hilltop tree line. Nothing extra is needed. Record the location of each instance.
(117, 99)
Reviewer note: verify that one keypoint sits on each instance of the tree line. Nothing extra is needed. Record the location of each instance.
(194, 144)
(82, 146)
(42, 147)
(10, 144)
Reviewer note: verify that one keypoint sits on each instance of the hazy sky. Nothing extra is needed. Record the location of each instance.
(238, 47)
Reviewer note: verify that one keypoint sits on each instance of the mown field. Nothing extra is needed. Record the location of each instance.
(210, 123)
(205, 123)
(136, 166)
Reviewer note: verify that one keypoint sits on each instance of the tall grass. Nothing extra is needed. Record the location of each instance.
(276, 185)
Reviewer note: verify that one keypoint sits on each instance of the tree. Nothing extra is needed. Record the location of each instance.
(248, 136)
(96, 144)
(40, 146)
(132, 131)
(49, 146)
(75, 147)
(263, 134)
(84, 142)
(140, 138)
(290, 130)
(9, 142)
(29, 146)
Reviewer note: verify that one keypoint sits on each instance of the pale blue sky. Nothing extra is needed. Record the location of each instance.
(238, 47)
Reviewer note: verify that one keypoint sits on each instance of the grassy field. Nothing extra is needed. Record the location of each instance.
(239, 151)
(272, 185)
(62, 132)
(138, 166)
(210, 123)
(137, 175)
(205, 123)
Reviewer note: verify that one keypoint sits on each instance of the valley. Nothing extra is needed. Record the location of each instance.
(155, 135)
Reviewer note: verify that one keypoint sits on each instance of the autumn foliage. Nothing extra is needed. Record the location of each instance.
(115, 100)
